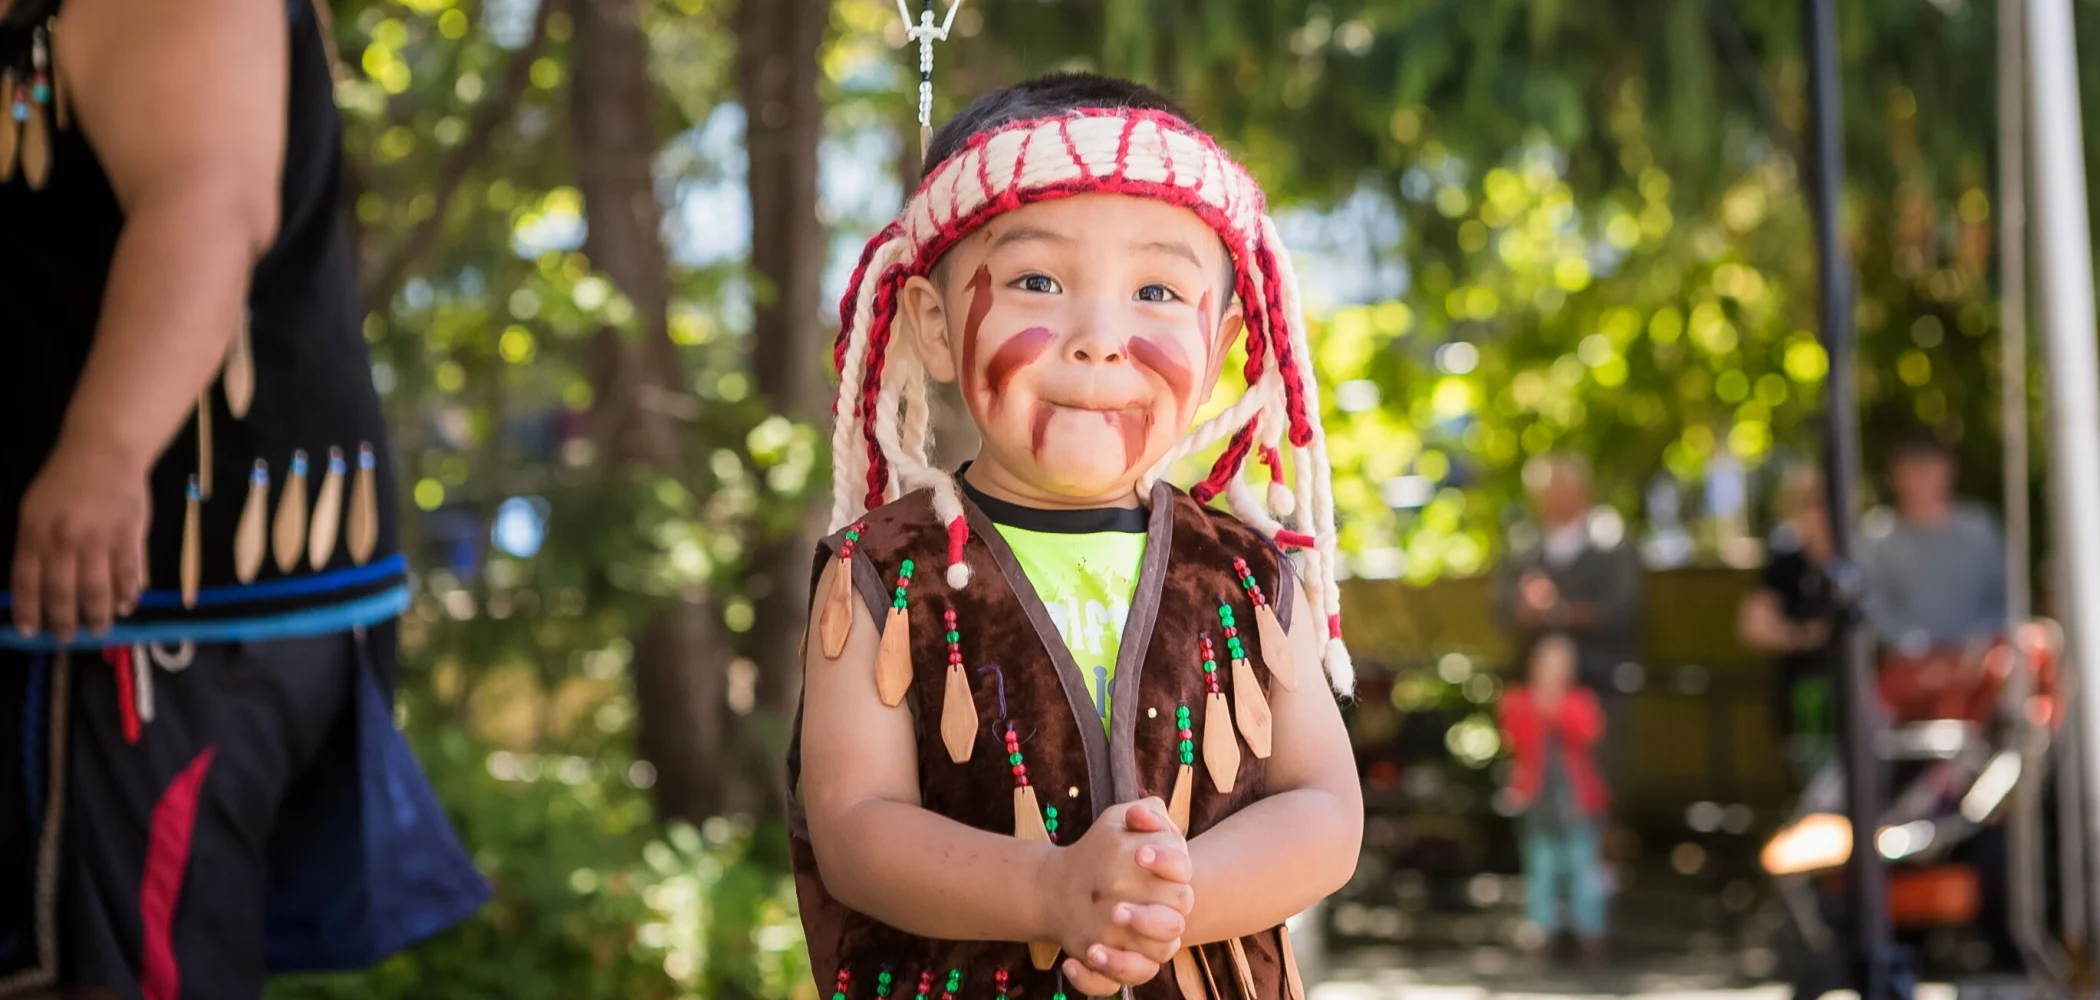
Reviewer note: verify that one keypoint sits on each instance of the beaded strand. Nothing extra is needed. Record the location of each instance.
(1210, 666)
(925, 985)
(999, 983)
(902, 600)
(954, 984)
(845, 984)
(882, 983)
(1186, 731)
(1232, 631)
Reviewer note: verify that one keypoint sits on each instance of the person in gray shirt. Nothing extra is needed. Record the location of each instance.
(1935, 571)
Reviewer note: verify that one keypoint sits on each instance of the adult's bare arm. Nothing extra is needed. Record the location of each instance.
(184, 105)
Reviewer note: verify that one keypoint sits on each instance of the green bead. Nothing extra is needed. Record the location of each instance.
(1013, 758)
(898, 604)
(1050, 811)
(955, 637)
(1050, 825)
(907, 567)
(1188, 759)
(1210, 666)
(853, 536)
(1187, 746)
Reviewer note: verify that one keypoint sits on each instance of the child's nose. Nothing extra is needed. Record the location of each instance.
(1097, 341)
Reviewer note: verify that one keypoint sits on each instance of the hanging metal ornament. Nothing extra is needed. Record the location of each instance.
(925, 32)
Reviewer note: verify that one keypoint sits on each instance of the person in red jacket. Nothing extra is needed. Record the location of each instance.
(1550, 724)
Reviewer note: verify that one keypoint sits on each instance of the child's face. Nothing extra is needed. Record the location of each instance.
(1085, 333)
(1553, 664)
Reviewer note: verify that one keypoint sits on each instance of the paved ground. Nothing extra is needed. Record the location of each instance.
(1490, 974)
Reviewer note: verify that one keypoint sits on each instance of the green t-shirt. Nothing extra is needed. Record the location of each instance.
(1084, 565)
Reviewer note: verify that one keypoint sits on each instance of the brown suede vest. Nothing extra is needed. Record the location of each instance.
(1072, 764)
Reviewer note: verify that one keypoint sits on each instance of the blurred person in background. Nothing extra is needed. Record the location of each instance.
(1935, 572)
(200, 778)
(1789, 615)
(1571, 572)
(1550, 723)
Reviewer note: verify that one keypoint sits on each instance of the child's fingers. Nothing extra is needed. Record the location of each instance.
(1167, 862)
(1126, 967)
(1087, 982)
(1151, 920)
(1148, 816)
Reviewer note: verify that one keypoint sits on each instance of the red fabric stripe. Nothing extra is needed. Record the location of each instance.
(119, 658)
(167, 857)
(1295, 539)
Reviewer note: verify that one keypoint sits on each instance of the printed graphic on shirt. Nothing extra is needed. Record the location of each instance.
(1086, 582)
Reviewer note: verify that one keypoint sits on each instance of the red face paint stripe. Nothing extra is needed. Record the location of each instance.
(1135, 427)
(1039, 428)
(1017, 353)
(1165, 360)
(980, 306)
(167, 857)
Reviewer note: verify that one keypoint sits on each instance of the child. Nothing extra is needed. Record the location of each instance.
(1551, 723)
(1074, 709)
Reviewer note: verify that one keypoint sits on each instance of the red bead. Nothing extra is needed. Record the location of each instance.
(949, 614)
(1020, 769)
(1023, 782)
(954, 657)
(1187, 735)
(1231, 633)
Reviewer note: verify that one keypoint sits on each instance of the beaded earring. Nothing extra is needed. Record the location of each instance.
(1221, 748)
(1029, 825)
(958, 706)
(893, 660)
(837, 621)
(1275, 646)
(1250, 708)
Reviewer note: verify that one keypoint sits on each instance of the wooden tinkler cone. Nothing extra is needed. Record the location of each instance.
(1250, 709)
(328, 514)
(237, 375)
(836, 623)
(1178, 801)
(1240, 967)
(1028, 825)
(192, 544)
(288, 531)
(10, 138)
(250, 540)
(1275, 647)
(204, 483)
(1187, 977)
(1221, 749)
(893, 657)
(958, 715)
(1291, 977)
(363, 529)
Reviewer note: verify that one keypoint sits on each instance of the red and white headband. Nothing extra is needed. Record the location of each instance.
(879, 440)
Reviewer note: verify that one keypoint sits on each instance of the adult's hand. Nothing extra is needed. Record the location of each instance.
(80, 545)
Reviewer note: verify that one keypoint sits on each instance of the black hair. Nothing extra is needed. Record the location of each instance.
(1040, 98)
(1920, 442)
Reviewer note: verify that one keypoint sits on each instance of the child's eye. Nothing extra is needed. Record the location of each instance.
(1156, 293)
(1041, 284)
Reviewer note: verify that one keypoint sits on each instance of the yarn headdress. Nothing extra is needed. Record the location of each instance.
(879, 439)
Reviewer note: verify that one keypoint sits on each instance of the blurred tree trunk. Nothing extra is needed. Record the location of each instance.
(777, 72)
(679, 681)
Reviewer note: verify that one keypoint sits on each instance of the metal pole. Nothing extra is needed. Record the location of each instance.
(2028, 875)
(2065, 255)
(1872, 965)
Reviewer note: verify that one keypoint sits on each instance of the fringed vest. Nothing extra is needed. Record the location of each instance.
(1020, 672)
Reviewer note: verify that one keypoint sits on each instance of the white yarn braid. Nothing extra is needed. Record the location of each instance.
(849, 458)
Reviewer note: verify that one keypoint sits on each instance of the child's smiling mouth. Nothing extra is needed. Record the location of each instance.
(1134, 423)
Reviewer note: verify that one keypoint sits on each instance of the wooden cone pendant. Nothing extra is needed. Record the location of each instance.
(328, 514)
(893, 658)
(1029, 825)
(836, 623)
(958, 706)
(1250, 706)
(251, 539)
(237, 375)
(1250, 709)
(1210, 979)
(192, 544)
(1240, 967)
(1275, 645)
(36, 148)
(1291, 976)
(363, 530)
(1187, 977)
(288, 532)
(1221, 748)
(10, 130)
(1178, 801)
(204, 442)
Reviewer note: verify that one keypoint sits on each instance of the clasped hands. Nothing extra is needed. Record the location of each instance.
(1120, 897)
